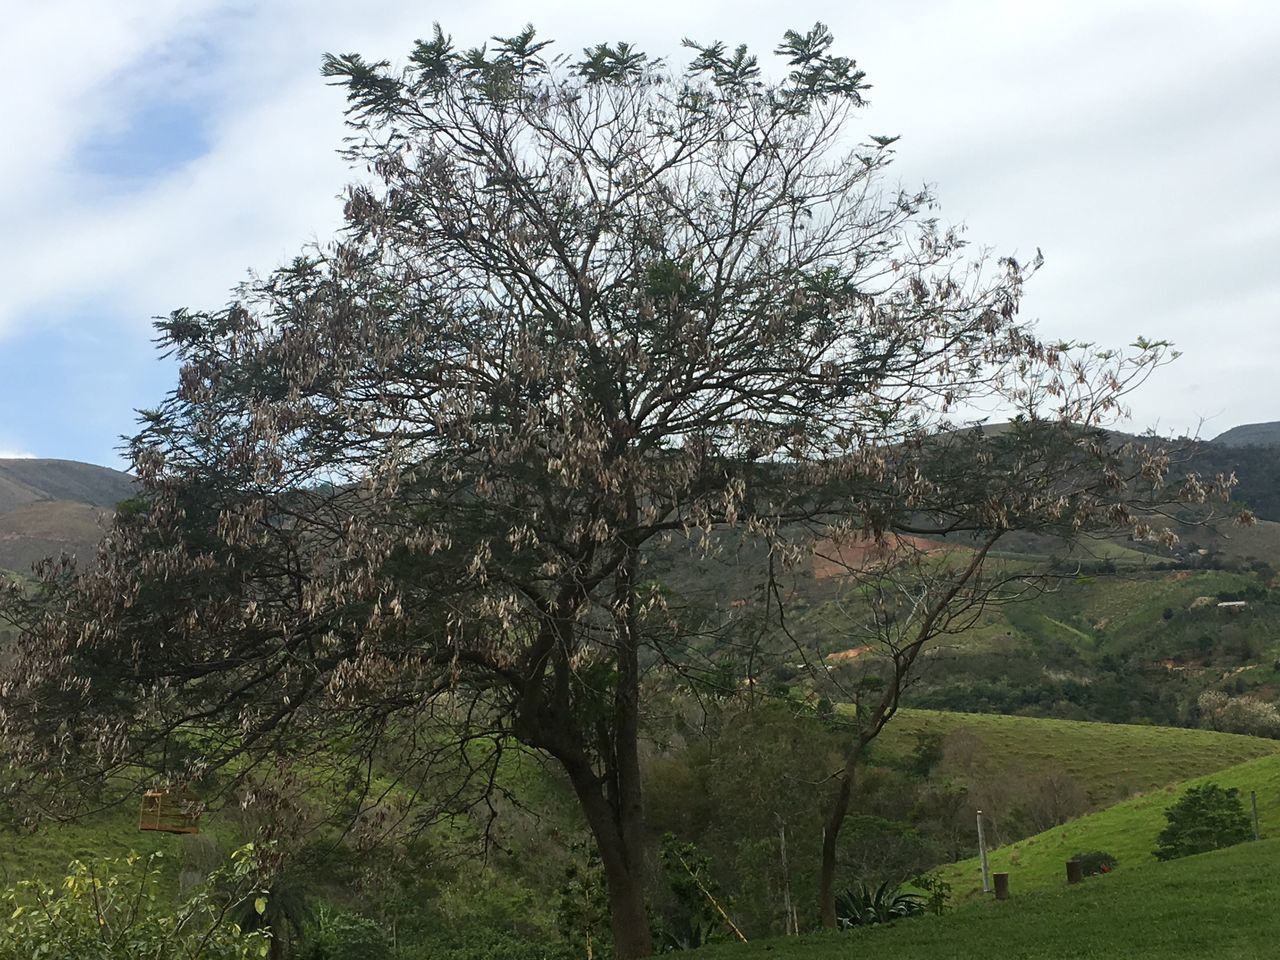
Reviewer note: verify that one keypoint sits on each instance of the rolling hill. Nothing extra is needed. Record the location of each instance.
(48, 507)
(1260, 434)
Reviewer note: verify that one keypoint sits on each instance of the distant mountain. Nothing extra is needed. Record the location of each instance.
(32, 481)
(1249, 434)
(48, 507)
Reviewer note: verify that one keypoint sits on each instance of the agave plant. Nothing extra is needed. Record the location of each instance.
(687, 934)
(862, 905)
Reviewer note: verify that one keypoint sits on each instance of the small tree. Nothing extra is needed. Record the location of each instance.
(1207, 817)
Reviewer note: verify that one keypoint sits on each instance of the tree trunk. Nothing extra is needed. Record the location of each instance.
(830, 834)
(623, 861)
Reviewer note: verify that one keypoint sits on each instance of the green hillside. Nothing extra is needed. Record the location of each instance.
(1127, 831)
(1107, 761)
(1217, 906)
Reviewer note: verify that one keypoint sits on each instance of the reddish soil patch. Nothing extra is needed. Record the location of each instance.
(831, 559)
(841, 656)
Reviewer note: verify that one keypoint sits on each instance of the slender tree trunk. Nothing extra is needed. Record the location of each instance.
(830, 835)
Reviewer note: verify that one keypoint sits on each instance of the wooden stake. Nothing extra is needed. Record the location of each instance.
(1002, 885)
(1253, 796)
(982, 855)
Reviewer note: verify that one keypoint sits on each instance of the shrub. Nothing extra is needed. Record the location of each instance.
(114, 910)
(1096, 862)
(936, 892)
(1204, 818)
(863, 906)
(342, 935)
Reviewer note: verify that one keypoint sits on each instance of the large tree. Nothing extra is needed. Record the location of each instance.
(403, 496)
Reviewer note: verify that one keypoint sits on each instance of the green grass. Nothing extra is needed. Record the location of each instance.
(46, 852)
(1217, 906)
(1107, 761)
(1127, 831)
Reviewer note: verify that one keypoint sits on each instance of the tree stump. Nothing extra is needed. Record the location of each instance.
(1002, 885)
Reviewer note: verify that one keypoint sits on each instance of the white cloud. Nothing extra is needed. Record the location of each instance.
(15, 454)
(1133, 141)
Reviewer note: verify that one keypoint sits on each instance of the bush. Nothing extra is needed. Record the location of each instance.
(342, 935)
(114, 910)
(1204, 818)
(862, 906)
(1096, 862)
(936, 892)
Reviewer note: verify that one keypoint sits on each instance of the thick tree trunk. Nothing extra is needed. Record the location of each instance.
(622, 857)
(830, 835)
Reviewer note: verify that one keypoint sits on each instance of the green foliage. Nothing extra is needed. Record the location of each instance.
(863, 905)
(937, 892)
(116, 910)
(1206, 817)
(343, 935)
(691, 920)
(583, 912)
(488, 944)
(283, 909)
(1096, 862)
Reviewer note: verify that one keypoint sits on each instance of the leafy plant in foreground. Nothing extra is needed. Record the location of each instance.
(114, 910)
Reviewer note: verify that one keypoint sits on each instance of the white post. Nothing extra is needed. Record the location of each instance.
(788, 908)
(982, 855)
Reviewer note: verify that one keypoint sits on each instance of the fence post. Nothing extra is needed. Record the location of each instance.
(982, 854)
(1253, 797)
(1075, 871)
(1002, 885)
(788, 908)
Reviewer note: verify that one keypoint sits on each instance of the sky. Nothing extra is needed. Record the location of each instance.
(155, 151)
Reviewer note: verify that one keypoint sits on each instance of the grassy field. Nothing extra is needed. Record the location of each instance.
(1108, 761)
(1127, 831)
(1217, 906)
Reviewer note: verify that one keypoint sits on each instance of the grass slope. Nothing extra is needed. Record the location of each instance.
(1127, 831)
(1109, 761)
(1217, 906)
(31, 481)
